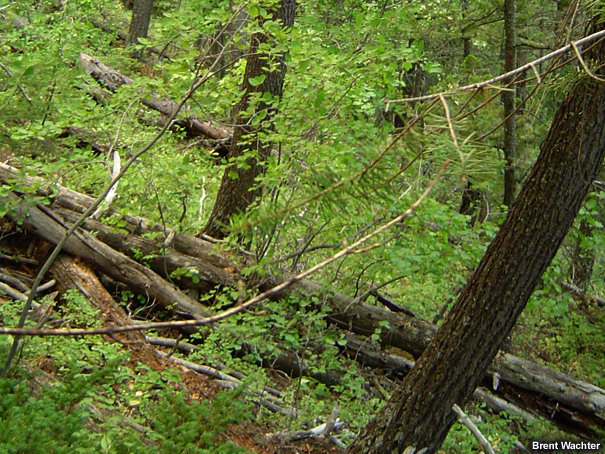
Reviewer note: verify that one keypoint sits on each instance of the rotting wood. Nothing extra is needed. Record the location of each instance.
(105, 259)
(406, 333)
(112, 79)
(72, 274)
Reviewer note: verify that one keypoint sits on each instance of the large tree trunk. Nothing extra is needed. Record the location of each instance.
(419, 413)
(237, 190)
(508, 99)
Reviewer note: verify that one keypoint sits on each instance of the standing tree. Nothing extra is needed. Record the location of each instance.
(419, 413)
(139, 24)
(508, 99)
(264, 76)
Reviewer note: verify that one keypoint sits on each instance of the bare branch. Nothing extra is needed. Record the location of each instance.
(504, 76)
(474, 430)
(7, 71)
(111, 330)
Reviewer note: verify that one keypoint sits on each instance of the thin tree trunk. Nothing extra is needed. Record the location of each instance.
(419, 413)
(508, 99)
(139, 24)
(467, 42)
(237, 190)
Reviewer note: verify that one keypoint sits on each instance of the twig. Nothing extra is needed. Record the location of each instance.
(7, 71)
(44, 287)
(15, 294)
(474, 430)
(504, 76)
(287, 411)
(110, 330)
(9, 279)
(15, 259)
(449, 122)
(332, 421)
(315, 432)
(583, 63)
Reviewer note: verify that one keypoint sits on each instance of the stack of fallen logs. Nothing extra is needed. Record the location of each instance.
(514, 384)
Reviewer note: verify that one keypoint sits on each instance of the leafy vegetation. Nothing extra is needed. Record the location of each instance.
(338, 168)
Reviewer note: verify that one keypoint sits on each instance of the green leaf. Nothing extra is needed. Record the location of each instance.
(253, 11)
(256, 81)
(29, 71)
(233, 175)
(321, 94)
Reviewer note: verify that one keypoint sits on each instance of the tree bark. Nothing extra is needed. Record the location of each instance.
(237, 190)
(419, 413)
(139, 24)
(508, 99)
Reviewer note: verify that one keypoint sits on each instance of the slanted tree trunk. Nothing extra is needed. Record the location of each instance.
(237, 190)
(508, 99)
(139, 24)
(420, 412)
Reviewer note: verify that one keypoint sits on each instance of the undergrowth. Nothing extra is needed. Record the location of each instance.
(101, 405)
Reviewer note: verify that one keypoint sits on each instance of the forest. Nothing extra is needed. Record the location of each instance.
(302, 226)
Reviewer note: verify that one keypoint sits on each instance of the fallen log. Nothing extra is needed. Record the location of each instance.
(136, 225)
(412, 335)
(112, 79)
(190, 272)
(406, 333)
(105, 259)
(71, 274)
(577, 291)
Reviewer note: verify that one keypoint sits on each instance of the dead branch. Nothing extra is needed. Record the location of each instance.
(113, 79)
(505, 76)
